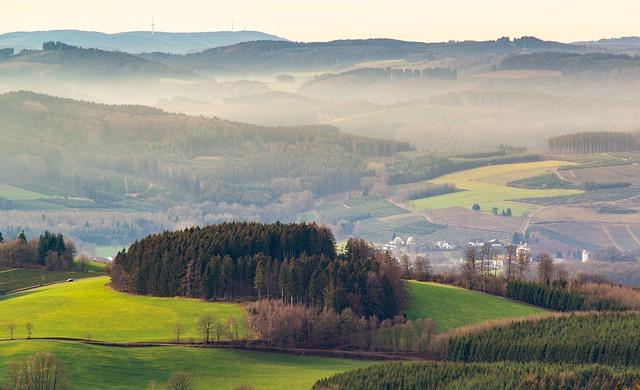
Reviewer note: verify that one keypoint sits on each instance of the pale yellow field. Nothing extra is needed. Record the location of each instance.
(487, 187)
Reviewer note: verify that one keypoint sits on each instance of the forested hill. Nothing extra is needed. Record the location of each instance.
(66, 60)
(104, 152)
(294, 262)
(595, 142)
(133, 41)
(286, 55)
(571, 62)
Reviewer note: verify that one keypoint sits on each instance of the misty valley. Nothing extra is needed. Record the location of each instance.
(246, 211)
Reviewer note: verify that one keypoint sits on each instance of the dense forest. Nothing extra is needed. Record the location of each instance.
(594, 142)
(107, 154)
(574, 338)
(409, 376)
(292, 262)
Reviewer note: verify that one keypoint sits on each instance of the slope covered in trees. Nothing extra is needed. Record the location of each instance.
(605, 338)
(408, 376)
(292, 262)
(104, 152)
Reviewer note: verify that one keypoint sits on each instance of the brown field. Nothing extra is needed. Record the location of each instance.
(619, 173)
(465, 218)
(592, 233)
(460, 236)
(580, 213)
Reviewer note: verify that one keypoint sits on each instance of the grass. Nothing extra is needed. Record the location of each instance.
(451, 307)
(98, 367)
(487, 187)
(104, 251)
(20, 278)
(16, 193)
(90, 307)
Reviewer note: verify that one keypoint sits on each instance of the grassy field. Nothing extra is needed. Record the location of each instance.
(104, 251)
(18, 278)
(97, 367)
(487, 187)
(16, 193)
(452, 307)
(89, 307)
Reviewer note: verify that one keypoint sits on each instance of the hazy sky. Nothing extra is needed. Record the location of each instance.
(422, 20)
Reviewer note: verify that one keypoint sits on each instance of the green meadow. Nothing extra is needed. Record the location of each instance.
(90, 307)
(451, 307)
(99, 367)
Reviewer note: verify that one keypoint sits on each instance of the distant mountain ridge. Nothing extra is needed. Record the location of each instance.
(257, 56)
(134, 41)
(60, 59)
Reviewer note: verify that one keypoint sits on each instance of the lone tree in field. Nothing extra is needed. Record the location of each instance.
(42, 371)
(11, 328)
(29, 328)
(180, 381)
(206, 325)
(177, 331)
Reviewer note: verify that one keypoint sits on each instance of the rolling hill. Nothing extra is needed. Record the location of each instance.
(133, 41)
(60, 59)
(99, 367)
(89, 307)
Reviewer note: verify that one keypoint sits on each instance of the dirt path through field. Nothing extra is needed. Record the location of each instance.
(608, 233)
(632, 234)
(427, 217)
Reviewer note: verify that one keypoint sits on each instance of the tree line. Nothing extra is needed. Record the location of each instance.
(291, 262)
(286, 325)
(594, 142)
(50, 251)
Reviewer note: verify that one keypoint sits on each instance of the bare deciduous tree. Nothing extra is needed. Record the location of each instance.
(545, 268)
(11, 328)
(29, 328)
(206, 324)
(178, 329)
(38, 372)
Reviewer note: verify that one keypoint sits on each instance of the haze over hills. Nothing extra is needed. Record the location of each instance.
(133, 41)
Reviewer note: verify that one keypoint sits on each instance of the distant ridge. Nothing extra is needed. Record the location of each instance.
(134, 41)
(263, 56)
(615, 41)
